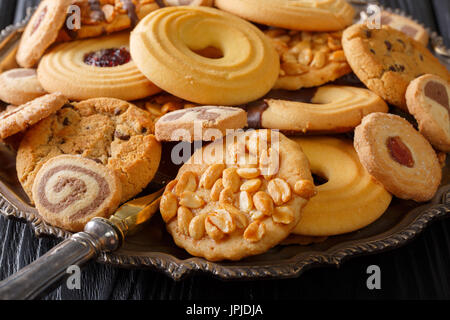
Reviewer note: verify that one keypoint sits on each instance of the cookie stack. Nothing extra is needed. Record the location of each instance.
(290, 107)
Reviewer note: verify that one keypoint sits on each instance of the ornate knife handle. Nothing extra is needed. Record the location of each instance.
(28, 283)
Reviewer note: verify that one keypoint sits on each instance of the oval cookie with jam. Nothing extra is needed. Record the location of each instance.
(239, 196)
(398, 156)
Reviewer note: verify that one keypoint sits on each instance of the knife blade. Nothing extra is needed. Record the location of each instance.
(99, 235)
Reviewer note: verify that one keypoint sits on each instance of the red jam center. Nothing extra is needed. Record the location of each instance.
(108, 57)
(400, 152)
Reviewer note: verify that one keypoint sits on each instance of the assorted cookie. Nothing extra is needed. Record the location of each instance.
(398, 156)
(206, 123)
(428, 100)
(70, 190)
(231, 204)
(386, 60)
(102, 102)
(100, 67)
(19, 86)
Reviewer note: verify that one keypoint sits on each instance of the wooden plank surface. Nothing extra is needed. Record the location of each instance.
(418, 270)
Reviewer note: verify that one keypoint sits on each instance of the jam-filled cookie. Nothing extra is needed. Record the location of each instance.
(20, 118)
(308, 59)
(428, 100)
(239, 196)
(205, 55)
(70, 190)
(41, 31)
(330, 15)
(327, 109)
(398, 156)
(101, 67)
(112, 132)
(349, 199)
(19, 86)
(205, 123)
(387, 60)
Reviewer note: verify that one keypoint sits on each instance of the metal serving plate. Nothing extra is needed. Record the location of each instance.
(153, 247)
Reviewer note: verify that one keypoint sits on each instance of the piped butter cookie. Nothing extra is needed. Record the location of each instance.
(349, 199)
(94, 68)
(238, 196)
(398, 156)
(70, 190)
(328, 15)
(386, 60)
(308, 59)
(112, 132)
(41, 31)
(428, 100)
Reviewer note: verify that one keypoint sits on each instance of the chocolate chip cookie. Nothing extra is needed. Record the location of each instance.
(110, 131)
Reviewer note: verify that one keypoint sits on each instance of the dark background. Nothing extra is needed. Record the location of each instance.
(419, 270)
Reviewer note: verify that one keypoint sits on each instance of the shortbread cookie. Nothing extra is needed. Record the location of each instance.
(94, 68)
(308, 59)
(239, 202)
(206, 123)
(168, 44)
(19, 86)
(24, 116)
(41, 31)
(405, 25)
(386, 61)
(112, 132)
(398, 156)
(428, 100)
(328, 109)
(349, 200)
(329, 15)
(70, 190)
(100, 17)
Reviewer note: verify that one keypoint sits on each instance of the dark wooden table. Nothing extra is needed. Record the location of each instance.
(420, 270)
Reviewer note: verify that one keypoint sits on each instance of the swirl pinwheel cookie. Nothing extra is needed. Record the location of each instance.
(112, 132)
(428, 100)
(41, 31)
(204, 55)
(238, 196)
(405, 25)
(327, 109)
(387, 60)
(321, 15)
(308, 59)
(19, 86)
(70, 190)
(349, 200)
(398, 156)
(94, 68)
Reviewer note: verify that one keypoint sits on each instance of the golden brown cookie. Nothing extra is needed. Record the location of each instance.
(349, 199)
(206, 123)
(327, 109)
(398, 156)
(19, 86)
(329, 15)
(240, 201)
(112, 132)
(308, 59)
(94, 68)
(405, 25)
(41, 31)
(71, 190)
(24, 116)
(386, 60)
(428, 99)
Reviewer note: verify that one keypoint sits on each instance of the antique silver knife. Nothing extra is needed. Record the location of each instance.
(99, 235)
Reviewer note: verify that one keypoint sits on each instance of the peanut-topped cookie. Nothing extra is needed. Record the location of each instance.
(110, 131)
(308, 59)
(239, 196)
(387, 60)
